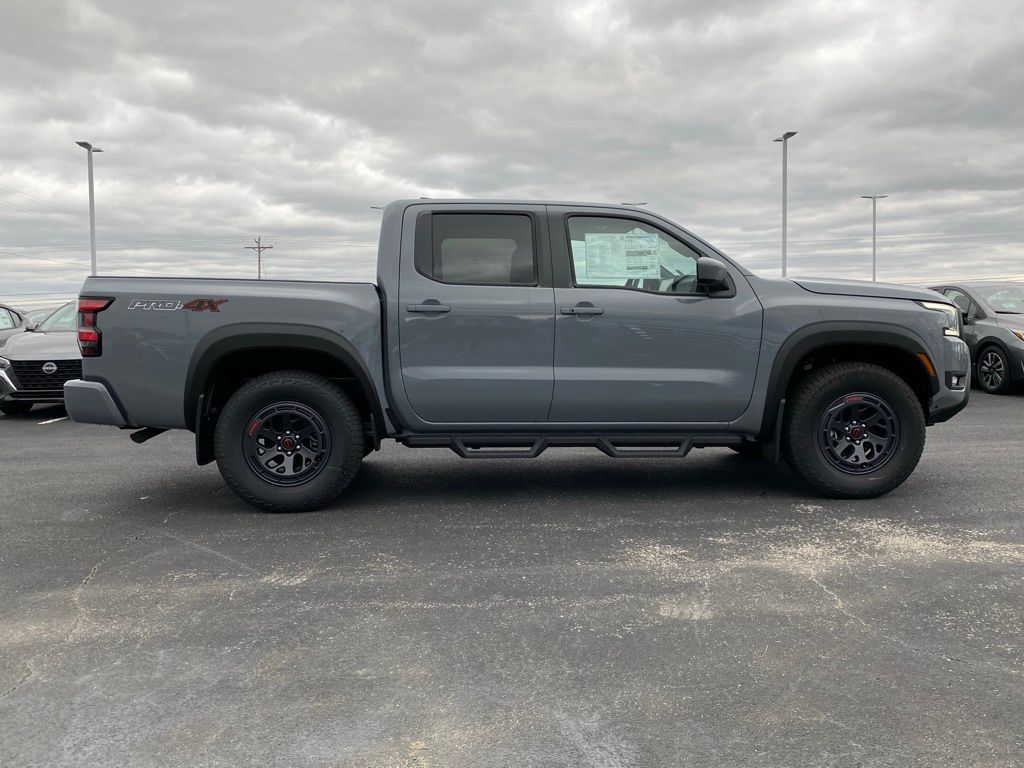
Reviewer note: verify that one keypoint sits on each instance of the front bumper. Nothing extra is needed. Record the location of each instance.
(90, 402)
(11, 393)
(950, 400)
(1017, 362)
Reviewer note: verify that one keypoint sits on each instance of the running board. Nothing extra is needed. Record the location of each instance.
(530, 446)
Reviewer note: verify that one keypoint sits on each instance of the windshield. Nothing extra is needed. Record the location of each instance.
(61, 320)
(1004, 298)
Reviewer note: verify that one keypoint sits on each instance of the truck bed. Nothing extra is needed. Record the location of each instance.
(169, 328)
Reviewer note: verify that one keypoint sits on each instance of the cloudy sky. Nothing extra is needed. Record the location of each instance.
(223, 120)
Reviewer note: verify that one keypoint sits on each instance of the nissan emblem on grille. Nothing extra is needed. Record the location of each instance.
(49, 368)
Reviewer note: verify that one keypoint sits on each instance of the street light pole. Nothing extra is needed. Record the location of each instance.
(784, 138)
(874, 232)
(89, 150)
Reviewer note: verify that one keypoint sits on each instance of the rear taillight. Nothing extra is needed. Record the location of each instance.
(89, 336)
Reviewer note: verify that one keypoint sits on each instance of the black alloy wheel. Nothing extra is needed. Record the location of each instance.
(858, 433)
(287, 443)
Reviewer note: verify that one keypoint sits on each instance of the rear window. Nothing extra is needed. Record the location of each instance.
(480, 249)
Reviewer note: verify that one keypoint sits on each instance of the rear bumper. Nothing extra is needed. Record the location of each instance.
(90, 402)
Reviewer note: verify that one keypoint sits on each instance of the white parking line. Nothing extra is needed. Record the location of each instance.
(52, 421)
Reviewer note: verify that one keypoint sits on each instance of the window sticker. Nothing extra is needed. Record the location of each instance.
(622, 256)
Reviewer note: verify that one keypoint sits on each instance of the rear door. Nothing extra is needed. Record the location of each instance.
(476, 316)
(635, 340)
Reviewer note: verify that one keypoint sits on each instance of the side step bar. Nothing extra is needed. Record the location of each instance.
(530, 446)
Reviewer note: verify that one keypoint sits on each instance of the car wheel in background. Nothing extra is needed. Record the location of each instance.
(853, 430)
(289, 441)
(15, 409)
(994, 371)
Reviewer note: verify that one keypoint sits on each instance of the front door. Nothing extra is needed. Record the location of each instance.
(635, 339)
(476, 326)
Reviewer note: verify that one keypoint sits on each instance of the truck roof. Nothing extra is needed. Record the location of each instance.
(501, 201)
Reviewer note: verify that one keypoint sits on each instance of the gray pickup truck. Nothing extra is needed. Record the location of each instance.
(499, 329)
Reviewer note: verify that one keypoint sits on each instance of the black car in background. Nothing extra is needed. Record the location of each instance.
(993, 319)
(11, 322)
(35, 365)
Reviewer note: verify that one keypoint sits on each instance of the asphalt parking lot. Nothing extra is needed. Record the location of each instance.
(573, 610)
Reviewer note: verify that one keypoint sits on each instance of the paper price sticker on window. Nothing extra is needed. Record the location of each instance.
(622, 256)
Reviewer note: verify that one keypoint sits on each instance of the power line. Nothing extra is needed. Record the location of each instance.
(259, 248)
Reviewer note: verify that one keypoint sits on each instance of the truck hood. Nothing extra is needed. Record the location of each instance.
(871, 290)
(59, 345)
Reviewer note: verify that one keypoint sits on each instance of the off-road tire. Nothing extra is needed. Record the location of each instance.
(15, 409)
(807, 406)
(338, 413)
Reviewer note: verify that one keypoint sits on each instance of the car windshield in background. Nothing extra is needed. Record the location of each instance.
(38, 315)
(61, 320)
(1004, 298)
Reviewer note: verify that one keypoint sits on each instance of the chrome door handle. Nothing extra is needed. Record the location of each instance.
(427, 307)
(582, 310)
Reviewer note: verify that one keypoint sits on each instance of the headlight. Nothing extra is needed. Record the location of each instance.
(4, 363)
(952, 316)
(1018, 334)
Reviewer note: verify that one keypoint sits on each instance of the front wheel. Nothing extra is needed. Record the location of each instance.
(994, 371)
(853, 430)
(289, 441)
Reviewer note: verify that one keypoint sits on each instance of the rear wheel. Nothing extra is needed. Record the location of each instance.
(15, 409)
(994, 371)
(289, 441)
(853, 430)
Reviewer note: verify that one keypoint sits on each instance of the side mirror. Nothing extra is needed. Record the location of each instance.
(965, 317)
(31, 327)
(712, 276)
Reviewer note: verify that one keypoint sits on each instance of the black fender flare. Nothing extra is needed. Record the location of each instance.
(238, 337)
(830, 334)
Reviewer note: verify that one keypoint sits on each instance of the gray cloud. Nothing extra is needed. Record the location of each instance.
(222, 121)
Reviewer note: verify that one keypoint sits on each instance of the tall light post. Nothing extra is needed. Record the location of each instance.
(89, 150)
(784, 138)
(874, 232)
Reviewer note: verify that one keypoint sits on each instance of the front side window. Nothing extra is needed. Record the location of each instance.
(626, 253)
(480, 249)
(6, 321)
(959, 298)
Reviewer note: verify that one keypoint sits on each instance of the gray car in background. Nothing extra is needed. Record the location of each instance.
(35, 365)
(993, 327)
(12, 322)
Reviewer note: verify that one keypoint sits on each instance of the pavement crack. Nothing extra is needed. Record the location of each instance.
(840, 604)
(211, 551)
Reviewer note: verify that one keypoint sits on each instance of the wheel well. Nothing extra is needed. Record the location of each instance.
(901, 362)
(234, 369)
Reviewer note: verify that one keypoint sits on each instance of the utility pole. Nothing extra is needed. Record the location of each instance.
(874, 231)
(90, 149)
(784, 138)
(259, 248)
